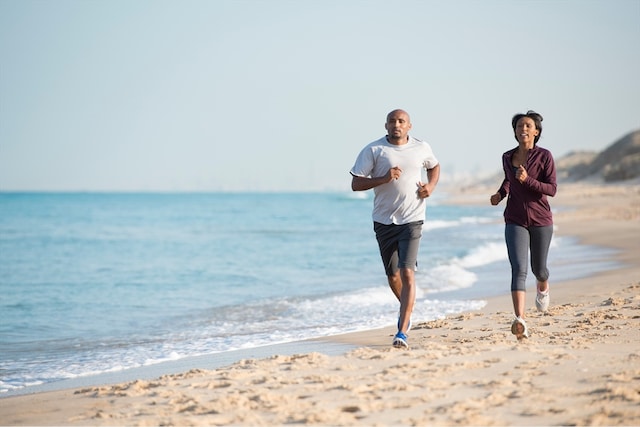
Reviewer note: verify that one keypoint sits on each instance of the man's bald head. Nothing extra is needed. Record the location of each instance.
(398, 112)
(398, 125)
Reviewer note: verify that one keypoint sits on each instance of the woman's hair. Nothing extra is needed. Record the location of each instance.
(537, 119)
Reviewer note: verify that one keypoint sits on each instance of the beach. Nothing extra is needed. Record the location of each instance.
(580, 366)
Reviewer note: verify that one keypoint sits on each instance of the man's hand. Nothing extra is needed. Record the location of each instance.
(394, 173)
(495, 199)
(424, 190)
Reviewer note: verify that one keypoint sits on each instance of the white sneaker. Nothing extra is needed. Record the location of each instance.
(542, 300)
(519, 328)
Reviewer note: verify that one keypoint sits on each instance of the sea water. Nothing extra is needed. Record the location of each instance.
(95, 282)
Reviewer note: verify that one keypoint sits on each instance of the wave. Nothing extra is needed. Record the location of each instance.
(355, 195)
(455, 273)
(482, 255)
(246, 326)
(433, 224)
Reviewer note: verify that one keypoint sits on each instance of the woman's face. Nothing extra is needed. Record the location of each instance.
(526, 131)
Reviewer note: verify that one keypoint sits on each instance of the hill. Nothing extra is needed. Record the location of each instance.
(618, 162)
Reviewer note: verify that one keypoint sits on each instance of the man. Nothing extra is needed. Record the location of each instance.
(393, 167)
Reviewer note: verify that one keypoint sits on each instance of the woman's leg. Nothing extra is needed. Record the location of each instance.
(517, 240)
(519, 299)
(540, 242)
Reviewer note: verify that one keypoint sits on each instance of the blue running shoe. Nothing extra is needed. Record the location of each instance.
(400, 341)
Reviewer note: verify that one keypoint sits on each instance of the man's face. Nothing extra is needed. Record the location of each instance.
(398, 125)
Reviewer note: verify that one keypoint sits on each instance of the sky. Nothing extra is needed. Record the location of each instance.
(281, 95)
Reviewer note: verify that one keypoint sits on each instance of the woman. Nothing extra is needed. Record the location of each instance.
(529, 177)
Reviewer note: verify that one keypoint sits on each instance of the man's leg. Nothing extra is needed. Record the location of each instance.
(386, 235)
(408, 246)
(395, 283)
(407, 297)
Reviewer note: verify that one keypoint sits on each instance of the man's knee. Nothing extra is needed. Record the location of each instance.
(394, 278)
(407, 274)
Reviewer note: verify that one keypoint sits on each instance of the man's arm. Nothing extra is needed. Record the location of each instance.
(361, 183)
(433, 176)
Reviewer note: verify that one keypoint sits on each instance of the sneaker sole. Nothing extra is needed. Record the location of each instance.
(400, 343)
(517, 329)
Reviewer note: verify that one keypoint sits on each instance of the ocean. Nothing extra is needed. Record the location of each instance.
(92, 283)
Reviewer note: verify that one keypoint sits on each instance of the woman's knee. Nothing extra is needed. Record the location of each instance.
(542, 274)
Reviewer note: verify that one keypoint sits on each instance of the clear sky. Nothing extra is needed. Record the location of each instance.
(282, 94)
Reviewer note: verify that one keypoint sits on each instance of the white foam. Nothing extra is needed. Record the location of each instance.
(482, 255)
(456, 273)
(448, 277)
(433, 224)
(357, 195)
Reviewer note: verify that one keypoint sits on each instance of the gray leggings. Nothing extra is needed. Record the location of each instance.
(519, 240)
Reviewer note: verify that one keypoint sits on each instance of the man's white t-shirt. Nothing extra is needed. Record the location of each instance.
(396, 202)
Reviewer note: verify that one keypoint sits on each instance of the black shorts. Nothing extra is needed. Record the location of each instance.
(398, 245)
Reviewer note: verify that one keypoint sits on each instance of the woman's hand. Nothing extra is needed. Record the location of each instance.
(521, 174)
(495, 199)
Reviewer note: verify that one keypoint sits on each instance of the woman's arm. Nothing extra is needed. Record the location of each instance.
(547, 183)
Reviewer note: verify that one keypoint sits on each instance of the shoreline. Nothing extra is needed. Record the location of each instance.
(593, 323)
(330, 345)
(174, 367)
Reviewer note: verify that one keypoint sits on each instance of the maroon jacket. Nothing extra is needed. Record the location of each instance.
(527, 204)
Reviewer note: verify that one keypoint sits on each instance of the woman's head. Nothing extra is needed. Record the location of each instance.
(529, 115)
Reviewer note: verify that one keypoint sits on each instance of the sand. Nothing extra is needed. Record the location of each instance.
(581, 365)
